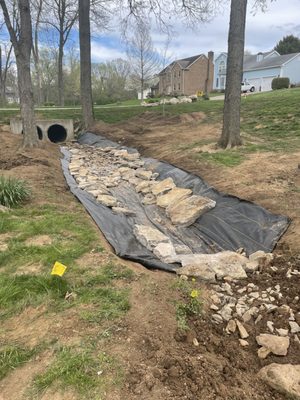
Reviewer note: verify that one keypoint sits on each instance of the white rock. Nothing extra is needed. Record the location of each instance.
(264, 259)
(295, 328)
(187, 211)
(282, 377)
(222, 264)
(165, 252)
(243, 342)
(107, 200)
(282, 332)
(231, 326)
(162, 187)
(149, 237)
(242, 331)
(143, 174)
(226, 312)
(276, 344)
(270, 326)
(173, 196)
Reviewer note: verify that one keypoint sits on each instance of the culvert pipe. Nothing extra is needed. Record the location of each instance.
(57, 133)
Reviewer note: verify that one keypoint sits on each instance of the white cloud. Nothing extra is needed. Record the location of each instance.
(263, 31)
(102, 52)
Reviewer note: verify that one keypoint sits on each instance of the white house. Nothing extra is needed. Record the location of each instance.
(260, 69)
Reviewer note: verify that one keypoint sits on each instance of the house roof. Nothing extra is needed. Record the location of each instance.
(251, 63)
(184, 63)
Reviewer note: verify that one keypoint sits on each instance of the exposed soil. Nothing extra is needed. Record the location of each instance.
(160, 362)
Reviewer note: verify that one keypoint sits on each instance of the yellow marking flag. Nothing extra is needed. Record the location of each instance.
(58, 269)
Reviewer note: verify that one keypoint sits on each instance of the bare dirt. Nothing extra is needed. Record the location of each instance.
(161, 363)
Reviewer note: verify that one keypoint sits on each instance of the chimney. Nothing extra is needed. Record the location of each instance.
(210, 72)
(210, 56)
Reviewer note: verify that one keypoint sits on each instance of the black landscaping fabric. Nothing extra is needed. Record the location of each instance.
(234, 223)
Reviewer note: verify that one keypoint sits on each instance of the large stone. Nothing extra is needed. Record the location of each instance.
(124, 211)
(108, 201)
(143, 174)
(187, 211)
(149, 237)
(221, 264)
(162, 187)
(200, 271)
(165, 252)
(276, 344)
(285, 378)
(3, 208)
(262, 258)
(173, 196)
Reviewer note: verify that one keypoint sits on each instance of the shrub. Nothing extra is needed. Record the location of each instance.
(13, 192)
(280, 83)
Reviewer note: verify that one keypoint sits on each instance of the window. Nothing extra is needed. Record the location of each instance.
(222, 67)
(178, 86)
(174, 87)
(179, 74)
(217, 82)
(175, 74)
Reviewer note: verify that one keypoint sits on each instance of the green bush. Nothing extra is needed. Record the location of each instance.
(280, 83)
(13, 192)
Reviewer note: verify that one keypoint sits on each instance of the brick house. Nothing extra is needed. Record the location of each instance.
(188, 76)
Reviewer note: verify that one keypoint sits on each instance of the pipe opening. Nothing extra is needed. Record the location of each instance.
(39, 132)
(57, 133)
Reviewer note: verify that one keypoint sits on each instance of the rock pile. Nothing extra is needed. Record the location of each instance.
(105, 168)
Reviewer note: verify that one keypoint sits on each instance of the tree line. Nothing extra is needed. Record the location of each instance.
(24, 18)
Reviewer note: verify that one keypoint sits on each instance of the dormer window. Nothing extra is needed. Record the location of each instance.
(259, 57)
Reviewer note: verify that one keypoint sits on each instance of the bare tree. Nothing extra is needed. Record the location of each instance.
(21, 39)
(5, 64)
(85, 63)
(37, 7)
(61, 15)
(143, 58)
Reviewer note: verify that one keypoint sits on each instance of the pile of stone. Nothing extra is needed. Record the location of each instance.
(100, 170)
(238, 306)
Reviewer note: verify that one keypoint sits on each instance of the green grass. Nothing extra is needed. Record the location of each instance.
(108, 302)
(71, 236)
(13, 192)
(228, 158)
(98, 292)
(18, 292)
(12, 357)
(85, 370)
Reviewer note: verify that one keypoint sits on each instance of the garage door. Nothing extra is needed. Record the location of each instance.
(255, 82)
(262, 84)
(267, 83)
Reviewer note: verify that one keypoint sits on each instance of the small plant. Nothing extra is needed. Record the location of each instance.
(13, 192)
(190, 306)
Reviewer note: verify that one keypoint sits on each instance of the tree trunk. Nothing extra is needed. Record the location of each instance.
(85, 63)
(22, 46)
(60, 77)
(231, 118)
(30, 137)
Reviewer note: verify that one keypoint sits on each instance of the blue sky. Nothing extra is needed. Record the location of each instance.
(263, 31)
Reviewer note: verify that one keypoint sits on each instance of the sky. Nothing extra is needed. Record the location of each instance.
(263, 31)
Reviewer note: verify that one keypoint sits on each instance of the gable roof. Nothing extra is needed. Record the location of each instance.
(251, 63)
(184, 63)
